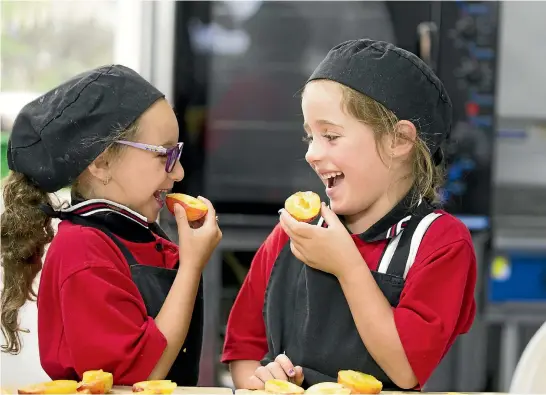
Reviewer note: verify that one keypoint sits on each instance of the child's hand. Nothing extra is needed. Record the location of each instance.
(196, 245)
(330, 249)
(282, 369)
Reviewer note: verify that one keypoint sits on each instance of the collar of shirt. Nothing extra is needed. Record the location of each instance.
(394, 221)
(119, 219)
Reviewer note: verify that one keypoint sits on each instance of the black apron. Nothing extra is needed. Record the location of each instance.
(308, 318)
(154, 283)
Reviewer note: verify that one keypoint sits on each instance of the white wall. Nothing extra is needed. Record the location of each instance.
(22, 369)
(522, 75)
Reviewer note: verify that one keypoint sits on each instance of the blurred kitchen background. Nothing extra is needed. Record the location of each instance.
(232, 70)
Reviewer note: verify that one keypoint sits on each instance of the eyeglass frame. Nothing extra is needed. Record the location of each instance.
(171, 159)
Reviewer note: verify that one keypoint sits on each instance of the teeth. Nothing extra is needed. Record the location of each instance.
(326, 176)
(161, 193)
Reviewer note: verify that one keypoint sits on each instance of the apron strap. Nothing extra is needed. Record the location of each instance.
(400, 253)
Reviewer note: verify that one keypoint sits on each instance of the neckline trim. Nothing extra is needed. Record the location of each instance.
(95, 206)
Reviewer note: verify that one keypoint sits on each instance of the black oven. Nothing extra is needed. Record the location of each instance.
(239, 67)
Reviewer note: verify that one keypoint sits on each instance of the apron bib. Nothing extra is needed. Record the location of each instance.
(308, 318)
(154, 283)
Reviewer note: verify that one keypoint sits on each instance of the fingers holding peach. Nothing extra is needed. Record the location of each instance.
(293, 372)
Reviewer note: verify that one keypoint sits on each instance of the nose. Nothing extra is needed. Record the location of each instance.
(178, 172)
(315, 151)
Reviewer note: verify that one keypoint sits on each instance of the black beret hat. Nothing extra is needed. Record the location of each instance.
(55, 137)
(397, 79)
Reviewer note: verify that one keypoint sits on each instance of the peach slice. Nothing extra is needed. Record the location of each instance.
(154, 387)
(195, 208)
(276, 386)
(303, 206)
(96, 382)
(51, 387)
(327, 388)
(359, 383)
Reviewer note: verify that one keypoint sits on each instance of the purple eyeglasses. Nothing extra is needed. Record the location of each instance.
(172, 154)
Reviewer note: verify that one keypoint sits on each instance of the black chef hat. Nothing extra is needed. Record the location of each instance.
(397, 79)
(55, 137)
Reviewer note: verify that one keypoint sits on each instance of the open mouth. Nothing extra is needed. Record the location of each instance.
(332, 179)
(160, 195)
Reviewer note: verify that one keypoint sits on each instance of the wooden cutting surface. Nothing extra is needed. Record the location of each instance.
(178, 390)
(182, 390)
(228, 391)
(247, 392)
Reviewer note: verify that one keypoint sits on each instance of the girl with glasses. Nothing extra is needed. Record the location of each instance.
(115, 293)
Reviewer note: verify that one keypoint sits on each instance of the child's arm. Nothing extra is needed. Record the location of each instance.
(242, 372)
(179, 303)
(174, 318)
(246, 341)
(436, 305)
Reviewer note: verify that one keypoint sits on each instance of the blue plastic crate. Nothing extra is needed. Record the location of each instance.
(518, 277)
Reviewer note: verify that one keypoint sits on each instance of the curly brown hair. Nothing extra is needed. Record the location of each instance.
(25, 232)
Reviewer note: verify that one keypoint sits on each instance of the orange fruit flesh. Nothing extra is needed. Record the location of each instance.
(51, 387)
(155, 387)
(359, 383)
(303, 206)
(327, 388)
(276, 386)
(99, 375)
(195, 208)
(96, 382)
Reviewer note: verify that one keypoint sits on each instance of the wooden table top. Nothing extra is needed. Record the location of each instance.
(229, 391)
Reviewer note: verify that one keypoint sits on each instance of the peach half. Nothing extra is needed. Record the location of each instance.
(154, 387)
(195, 208)
(51, 387)
(358, 382)
(303, 206)
(327, 388)
(277, 386)
(96, 382)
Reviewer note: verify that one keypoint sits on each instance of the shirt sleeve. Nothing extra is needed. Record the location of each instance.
(106, 325)
(245, 333)
(436, 305)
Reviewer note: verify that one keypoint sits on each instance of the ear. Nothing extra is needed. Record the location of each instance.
(100, 169)
(403, 140)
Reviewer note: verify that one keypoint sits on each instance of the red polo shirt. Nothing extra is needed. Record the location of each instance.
(90, 312)
(436, 305)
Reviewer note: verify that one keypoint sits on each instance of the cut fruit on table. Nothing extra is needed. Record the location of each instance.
(276, 386)
(327, 388)
(154, 387)
(195, 208)
(51, 387)
(303, 206)
(96, 382)
(359, 383)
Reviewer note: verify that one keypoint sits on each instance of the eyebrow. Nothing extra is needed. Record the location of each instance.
(322, 122)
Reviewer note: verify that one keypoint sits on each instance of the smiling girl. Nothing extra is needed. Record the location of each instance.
(115, 293)
(384, 284)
